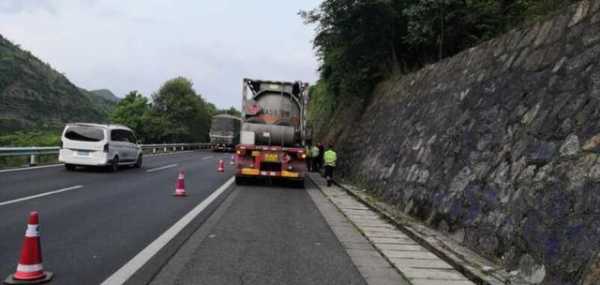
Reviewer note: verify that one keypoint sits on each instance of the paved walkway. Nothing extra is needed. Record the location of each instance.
(416, 263)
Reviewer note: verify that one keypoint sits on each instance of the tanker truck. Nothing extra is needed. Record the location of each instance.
(273, 131)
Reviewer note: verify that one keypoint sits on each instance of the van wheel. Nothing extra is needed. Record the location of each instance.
(114, 165)
(70, 167)
(138, 163)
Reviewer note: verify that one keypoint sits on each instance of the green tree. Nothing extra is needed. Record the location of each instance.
(231, 111)
(130, 111)
(178, 113)
(211, 109)
(361, 42)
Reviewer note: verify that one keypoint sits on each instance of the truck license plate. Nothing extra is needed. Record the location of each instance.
(271, 157)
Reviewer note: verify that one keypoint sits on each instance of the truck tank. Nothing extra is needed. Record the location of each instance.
(273, 111)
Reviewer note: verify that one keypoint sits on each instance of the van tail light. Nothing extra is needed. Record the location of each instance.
(106, 148)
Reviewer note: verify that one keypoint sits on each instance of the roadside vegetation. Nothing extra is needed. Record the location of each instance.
(362, 42)
(176, 113)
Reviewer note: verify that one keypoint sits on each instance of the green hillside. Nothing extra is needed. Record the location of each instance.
(106, 94)
(34, 96)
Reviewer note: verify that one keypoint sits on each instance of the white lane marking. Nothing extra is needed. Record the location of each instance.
(30, 168)
(208, 157)
(41, 195)
(133, 265)
(162, 167)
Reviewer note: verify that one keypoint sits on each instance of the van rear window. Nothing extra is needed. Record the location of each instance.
(88, 134)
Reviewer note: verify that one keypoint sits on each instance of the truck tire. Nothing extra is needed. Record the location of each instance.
(69, 167)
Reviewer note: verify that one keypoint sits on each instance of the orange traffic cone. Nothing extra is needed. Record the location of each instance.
(30, 269)
(221, 167)
(180, 186)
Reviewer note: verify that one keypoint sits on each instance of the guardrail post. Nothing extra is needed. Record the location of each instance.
(165, 149)
(153, 150)
(32, 160)
(174, 148)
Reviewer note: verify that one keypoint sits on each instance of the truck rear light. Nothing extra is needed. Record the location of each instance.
(106, 148)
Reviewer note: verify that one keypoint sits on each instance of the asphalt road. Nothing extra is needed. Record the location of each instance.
(263, 235)
(90, 232)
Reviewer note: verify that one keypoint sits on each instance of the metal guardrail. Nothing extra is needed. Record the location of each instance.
(34, 151)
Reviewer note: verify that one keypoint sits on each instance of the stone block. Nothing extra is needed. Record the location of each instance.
(592, 144)
(570, 146)
(430, 273)
(546, 28)
(398, 247)
(580, 13)
(401, 263)
(417, 281)
(399, 241)
(540, 153)
(595, 7)
(590, 55)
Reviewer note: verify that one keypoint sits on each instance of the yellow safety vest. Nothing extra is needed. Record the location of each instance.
(330, 157)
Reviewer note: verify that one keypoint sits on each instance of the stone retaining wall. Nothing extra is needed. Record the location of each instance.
(499, 146)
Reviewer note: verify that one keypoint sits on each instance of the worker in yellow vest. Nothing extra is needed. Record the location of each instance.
(329, 157)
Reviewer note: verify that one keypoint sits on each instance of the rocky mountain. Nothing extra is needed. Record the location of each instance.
(35, 96)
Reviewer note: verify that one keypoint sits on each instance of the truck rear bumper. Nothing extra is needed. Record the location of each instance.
(252, 172)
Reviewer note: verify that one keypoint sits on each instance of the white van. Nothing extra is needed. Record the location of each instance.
(99, 145)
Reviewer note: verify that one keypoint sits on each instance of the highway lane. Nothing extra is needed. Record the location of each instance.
(90, 232)
(28, 182)
(263, 235)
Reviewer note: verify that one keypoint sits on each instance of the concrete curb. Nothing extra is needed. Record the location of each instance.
(375, 268)
(475, 267)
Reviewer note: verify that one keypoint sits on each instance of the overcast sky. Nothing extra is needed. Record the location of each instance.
(128, 45)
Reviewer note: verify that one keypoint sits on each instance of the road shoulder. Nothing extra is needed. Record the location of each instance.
(371, 265)
(416, 263)
(168, 274)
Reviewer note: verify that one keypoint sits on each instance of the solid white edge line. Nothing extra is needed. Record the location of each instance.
(41, 195)
(132, 266)
(162, 167)
(208, 157)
